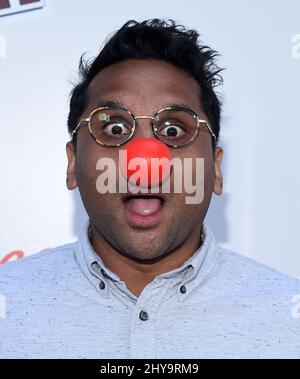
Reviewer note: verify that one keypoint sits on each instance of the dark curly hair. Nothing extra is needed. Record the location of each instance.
(154, 39)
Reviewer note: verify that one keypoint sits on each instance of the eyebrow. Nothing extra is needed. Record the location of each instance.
(112, 103)
(109, 103)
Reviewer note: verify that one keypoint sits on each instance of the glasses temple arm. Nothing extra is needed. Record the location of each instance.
(208, 127)
(78, 126)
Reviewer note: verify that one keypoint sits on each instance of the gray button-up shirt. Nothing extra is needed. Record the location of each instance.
(64, 303)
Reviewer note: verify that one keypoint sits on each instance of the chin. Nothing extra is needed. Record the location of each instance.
(144, 250)
(145, 258)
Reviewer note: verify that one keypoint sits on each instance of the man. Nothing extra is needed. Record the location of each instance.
(146, 278)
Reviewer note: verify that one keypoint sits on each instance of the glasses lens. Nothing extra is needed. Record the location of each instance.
(175, 127)
(112, 126)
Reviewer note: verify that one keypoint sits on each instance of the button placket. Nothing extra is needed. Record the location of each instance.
(144, 316)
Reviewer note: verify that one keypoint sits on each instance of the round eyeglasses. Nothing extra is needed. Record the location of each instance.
(114, 126)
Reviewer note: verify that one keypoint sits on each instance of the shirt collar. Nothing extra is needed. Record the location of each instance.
(196, 268)
(202, 261)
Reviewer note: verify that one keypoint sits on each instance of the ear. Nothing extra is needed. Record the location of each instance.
(71, 174)
(218, 184)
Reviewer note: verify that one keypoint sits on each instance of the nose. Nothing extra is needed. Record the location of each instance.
(143, 127)
(148, 162)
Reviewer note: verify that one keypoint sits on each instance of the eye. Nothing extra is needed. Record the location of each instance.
(116, 128)
(170, 129)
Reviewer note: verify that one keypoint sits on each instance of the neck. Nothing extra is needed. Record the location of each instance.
(137, 275)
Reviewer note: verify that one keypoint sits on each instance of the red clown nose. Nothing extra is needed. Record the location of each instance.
(148, 162)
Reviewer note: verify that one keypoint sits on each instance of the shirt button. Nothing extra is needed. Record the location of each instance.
(144, 316)
(183, 289)
(102, 285)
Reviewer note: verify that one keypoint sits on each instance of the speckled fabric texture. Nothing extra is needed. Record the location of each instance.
(64, 303)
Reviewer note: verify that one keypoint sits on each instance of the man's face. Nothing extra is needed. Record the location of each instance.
(143, 87)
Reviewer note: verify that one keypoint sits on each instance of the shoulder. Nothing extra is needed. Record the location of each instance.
(245, 272)
(36, 267)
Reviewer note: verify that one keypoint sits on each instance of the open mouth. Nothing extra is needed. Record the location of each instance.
(143, 210)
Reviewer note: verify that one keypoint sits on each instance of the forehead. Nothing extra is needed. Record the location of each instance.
(145, 86)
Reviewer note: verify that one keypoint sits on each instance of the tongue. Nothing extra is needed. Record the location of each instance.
(142, 206)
